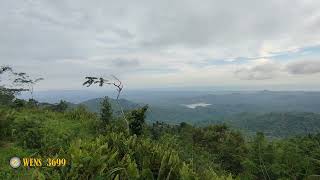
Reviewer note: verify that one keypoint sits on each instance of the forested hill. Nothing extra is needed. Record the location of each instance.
(94, 105)
(273, 124)
(278, 124)
(171, 107)
(220, 101)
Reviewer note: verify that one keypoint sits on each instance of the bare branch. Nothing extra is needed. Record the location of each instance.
(118, 85)
(38, 79)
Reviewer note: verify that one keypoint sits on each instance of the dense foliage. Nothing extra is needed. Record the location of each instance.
(283, 124)
(156, 151)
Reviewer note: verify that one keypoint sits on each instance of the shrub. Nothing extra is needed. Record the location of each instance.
(18, 103)
(6, 97)
(28, 132)
(118, 156)
(6, 119)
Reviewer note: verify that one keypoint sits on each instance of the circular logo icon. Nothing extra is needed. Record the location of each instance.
(15, 162)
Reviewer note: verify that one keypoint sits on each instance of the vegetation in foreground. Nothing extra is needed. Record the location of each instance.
(98, 146)
(120, 145)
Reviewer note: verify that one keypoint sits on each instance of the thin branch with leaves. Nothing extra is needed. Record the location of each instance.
(18, 80)
(23, 79)
(115, 82)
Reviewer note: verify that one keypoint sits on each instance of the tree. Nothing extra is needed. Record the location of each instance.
(106, 111)
(24, 79)
(61, 106)
(20, 79)
(19, 103)
(226, 145)
(6, 119)
(137, 120)
(6, 97)
(261, 157)
(5, 69)
(32, 103)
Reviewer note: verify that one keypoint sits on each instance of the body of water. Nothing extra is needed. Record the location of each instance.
(194, 105)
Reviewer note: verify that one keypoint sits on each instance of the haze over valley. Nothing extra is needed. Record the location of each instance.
(243, 110)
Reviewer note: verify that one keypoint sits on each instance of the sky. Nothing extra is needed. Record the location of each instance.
(265, 44)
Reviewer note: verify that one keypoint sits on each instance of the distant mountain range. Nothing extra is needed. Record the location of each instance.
(276, 113)
(94, 105)
(175, 107)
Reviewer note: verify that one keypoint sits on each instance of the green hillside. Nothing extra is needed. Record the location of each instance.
(273, 124)
(278, 124)
(94, 105)
(126, 147)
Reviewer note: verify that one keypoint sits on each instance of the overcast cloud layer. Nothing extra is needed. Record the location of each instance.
(167, 43)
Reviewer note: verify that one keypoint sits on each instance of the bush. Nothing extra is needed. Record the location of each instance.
(32, 103)
(62, 106)
(28, 132)
(225, 145)
(18, 103)
(6, 97)
(6, 119)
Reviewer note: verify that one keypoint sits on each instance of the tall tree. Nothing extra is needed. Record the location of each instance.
(106, 111)
(20, 80)
(137, 120)
(7, 87)
(61, 106)
(24, 79)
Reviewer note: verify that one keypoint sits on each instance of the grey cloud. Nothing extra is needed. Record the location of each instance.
(121, 62)
(258, 72)
(123, 33)
(271, 70)
(76, 23)
(38, 33)
(235, 24)
(304, 67)
(228, 26)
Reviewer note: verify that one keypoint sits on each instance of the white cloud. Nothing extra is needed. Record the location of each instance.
(170, 39)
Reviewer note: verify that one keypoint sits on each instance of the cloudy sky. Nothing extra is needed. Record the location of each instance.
(263, 44)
